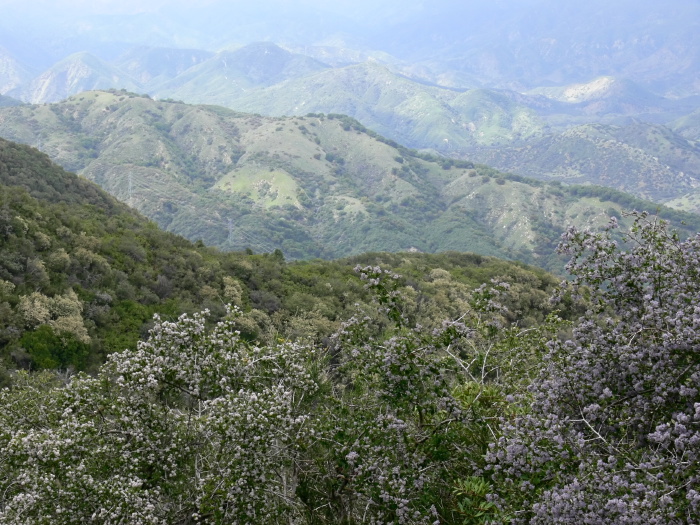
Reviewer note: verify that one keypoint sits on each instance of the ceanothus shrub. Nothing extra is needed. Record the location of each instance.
(194, 425)
(613, 430)
(198, 425)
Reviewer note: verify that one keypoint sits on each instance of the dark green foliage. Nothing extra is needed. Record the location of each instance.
(26, 167)
(48, 349)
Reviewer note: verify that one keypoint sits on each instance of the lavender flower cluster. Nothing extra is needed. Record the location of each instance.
(613, 434)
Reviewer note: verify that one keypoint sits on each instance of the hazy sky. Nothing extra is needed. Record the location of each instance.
(141, 6)
(93, 6)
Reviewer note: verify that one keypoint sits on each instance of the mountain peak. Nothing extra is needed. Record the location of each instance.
(78, 72)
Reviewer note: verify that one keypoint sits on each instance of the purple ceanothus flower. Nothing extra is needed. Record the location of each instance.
(613, 433)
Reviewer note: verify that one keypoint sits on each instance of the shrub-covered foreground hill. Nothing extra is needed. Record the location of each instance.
(81, 275)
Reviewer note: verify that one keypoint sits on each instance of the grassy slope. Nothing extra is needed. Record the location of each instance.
(688, 126)
(504, 129)
(266, 79)
(413, 113)
(229, 74)
(647, 160)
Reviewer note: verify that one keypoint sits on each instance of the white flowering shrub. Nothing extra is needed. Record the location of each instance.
(198, 425)
(414, 410)
(613, 434)
(192, 426)
(62, 312)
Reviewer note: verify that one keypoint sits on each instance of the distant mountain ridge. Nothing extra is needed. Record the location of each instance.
(546, 132)
(152, 66)
(227, 74)
(76, 73)
(13, 73)
(513, 45)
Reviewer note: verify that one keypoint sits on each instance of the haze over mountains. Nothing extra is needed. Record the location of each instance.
(601, 92)
(521, 44)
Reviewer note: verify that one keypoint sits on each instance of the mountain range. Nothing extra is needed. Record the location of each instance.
(598, 93)
(82, 274)
(312, 186)
(546, 132)
(648, 160)
(499, 44)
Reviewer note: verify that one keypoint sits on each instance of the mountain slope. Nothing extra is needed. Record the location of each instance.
(416, 114)
(498, 44)
(649, 161)
(80, 273)
(538, 43)
(12, 73)
(606, 96)
(688, 126)
(231, 73)
(81, 276)
(74, 74)
(314, 186)
(152, 66)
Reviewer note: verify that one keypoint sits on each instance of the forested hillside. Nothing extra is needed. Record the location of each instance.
(82, 275)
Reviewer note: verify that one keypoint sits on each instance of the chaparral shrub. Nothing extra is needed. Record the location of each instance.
(385, 424)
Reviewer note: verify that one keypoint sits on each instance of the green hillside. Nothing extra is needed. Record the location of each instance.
(688, 126)
(415, 114)
(312, 186)
(544, 132)
(229, 74)
(81, 275)
(646, 160)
